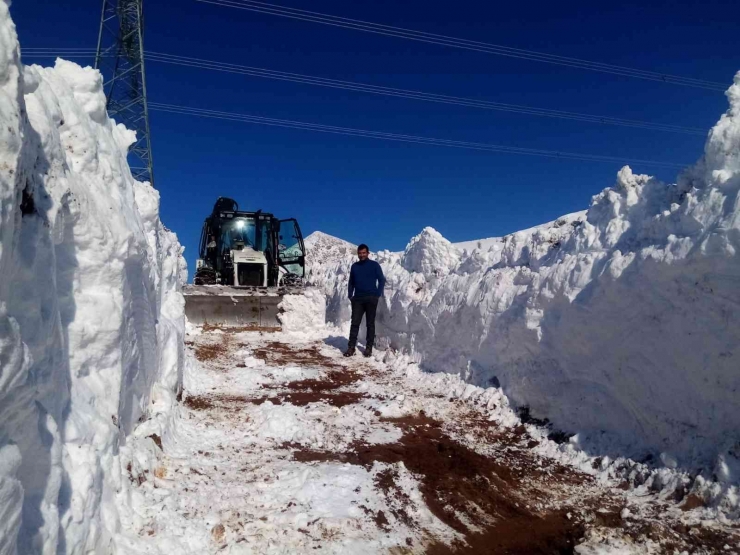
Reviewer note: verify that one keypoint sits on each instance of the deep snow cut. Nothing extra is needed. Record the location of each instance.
(91, 318)
(620, 323)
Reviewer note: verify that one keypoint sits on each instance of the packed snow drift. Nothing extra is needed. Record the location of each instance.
(91, 320)
(620, 323)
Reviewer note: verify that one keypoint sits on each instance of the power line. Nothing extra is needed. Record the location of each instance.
(443, 40)
(413, 95)
(247, 118)
(52, 51)
(58, 52)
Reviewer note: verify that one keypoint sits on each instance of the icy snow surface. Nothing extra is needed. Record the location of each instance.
(284, 446)
(91, 320)
(620, 323)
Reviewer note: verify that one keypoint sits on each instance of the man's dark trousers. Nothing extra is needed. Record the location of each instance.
(363, 306)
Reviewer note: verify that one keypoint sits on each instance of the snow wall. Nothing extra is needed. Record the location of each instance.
(621, 322)
(91, 318)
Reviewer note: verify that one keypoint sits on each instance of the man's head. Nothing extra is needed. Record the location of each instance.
(362, 252)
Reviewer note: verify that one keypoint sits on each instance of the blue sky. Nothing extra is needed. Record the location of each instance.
(383, 193)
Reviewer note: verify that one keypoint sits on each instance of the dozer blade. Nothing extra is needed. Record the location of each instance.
(227, 306)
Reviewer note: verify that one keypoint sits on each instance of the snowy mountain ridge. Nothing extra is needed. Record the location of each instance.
(618, 322)
(322, 247)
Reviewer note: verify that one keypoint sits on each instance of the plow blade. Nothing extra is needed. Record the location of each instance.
(226, 306)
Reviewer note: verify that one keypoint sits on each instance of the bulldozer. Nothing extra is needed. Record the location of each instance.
(247, 262)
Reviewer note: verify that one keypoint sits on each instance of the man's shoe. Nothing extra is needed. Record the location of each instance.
(350, 352)
(368, 352)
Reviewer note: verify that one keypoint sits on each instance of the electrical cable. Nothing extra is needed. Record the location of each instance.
(247, 118)
(410, 94)
(443, 40)
(415, 95)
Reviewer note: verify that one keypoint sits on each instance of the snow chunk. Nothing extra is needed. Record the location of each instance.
(430, 254)
(720, 165)
(86, 85)
(323, 248)
(303, 312)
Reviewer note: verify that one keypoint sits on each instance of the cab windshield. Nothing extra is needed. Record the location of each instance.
(239, 232)
(244, 232)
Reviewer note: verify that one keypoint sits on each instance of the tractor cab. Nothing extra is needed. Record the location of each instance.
(249, 249)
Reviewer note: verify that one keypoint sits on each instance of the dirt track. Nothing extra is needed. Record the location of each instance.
(476, 487)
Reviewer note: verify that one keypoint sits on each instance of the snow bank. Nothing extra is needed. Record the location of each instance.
(326, 265)
(91, 318)
(302, 312)
(620, 322)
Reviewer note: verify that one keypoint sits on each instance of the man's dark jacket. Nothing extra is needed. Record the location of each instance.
(366, 279)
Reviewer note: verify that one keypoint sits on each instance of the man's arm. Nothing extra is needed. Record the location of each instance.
(351, 284)
(381, 279)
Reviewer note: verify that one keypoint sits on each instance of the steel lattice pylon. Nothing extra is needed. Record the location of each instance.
(120, 58)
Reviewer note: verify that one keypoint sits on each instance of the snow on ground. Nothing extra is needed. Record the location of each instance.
(91, 319)
(282, 445)
(619, 324)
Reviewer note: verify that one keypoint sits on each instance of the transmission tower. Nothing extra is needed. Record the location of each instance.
(120, 57)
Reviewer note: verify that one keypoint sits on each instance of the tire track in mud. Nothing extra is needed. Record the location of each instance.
(477, 496)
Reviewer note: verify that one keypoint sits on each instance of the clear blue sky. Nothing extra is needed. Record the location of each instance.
(383, 193)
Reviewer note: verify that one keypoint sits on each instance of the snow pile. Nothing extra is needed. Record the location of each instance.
(325, 256)
(619, 322)
(322, 248)
(300, 312)
(91, 319)
(430, 254)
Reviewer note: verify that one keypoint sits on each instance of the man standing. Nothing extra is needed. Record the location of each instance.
(366, 283)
